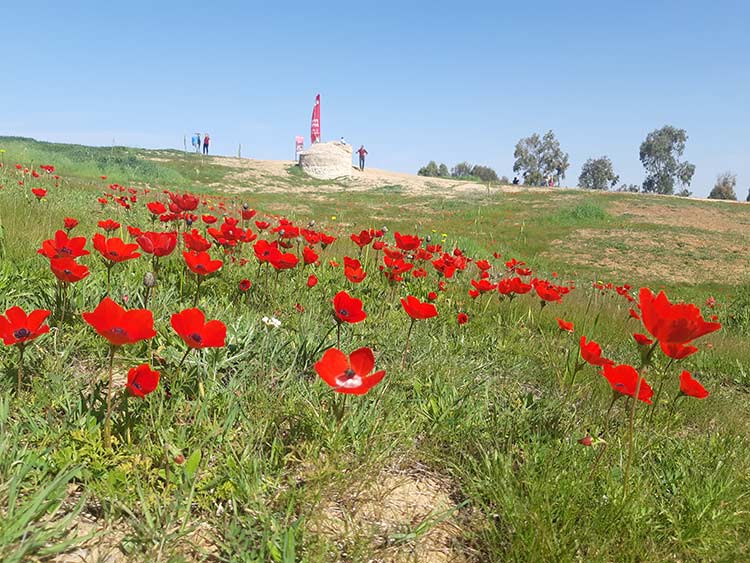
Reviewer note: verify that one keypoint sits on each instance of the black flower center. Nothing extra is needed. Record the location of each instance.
(343, 312)
(196, 337)
(22, 333)
(119, 331)
(349, 373)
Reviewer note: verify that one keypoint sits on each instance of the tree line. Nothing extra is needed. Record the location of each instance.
(540, 161)
(461, 171)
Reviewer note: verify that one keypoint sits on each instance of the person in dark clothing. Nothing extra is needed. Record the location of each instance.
(362, 153)
(206, 141)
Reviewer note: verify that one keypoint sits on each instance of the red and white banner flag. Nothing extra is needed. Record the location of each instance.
(315, 125)
(299, 144)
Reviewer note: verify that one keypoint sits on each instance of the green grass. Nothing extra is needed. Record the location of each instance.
(245, 461)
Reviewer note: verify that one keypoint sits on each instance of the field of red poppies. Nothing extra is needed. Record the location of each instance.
(193, 375)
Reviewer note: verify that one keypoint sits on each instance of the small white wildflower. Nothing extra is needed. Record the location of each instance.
(271, 321)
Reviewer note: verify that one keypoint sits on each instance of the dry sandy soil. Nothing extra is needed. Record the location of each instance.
(274, 177)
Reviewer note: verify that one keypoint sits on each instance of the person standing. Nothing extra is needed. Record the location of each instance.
(362, 153)
(206, 141)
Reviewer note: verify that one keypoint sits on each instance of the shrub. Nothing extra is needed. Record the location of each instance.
(724, 187)
(630, 188)
(485, 173)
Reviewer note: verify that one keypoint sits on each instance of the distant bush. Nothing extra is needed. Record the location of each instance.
(630, 188)
(724, 187)
(461, 171)
(484, 173)
(684, 192)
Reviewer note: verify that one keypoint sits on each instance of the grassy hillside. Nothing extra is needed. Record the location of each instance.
(468, 450)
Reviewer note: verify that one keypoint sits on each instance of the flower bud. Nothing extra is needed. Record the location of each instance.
(149, 279)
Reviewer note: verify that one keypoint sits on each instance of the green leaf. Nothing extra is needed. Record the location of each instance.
(191, 465)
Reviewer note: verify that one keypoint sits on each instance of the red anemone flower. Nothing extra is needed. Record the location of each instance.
(191, 326)
(483, 285)
(109, 225)
(513, 286)
(565, 325)
(690, 387)
(312, 280)
(592, 353)
(677, 351)
(201, 263)
(121, 326)
(483, 265)
(68, 270)
(462, 318)
(642, 339)
(185, 202)
(546, 291)
(156, 207)
(672, 323)
(417, 309)
(309, 255)
(158, 244)
(407, 242)
(266, 251)
(624, 379)
(349, 375)
(115, 249)
(39, 192)
(284, 261)
(142, 380)
(586, 440)
(70, 223)
(245, 285)
(354, 273)
(195, 242)
(362, 239)
(348, 309)
(16, 327)
(63, 247)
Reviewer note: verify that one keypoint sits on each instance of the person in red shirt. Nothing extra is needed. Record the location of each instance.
(362, 152)
(206, 141)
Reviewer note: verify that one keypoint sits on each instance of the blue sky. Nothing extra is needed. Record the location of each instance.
(413, 81)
